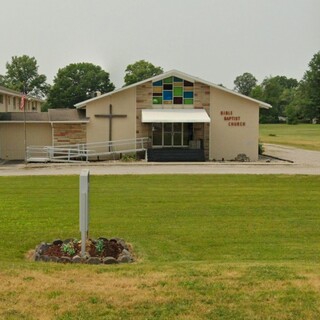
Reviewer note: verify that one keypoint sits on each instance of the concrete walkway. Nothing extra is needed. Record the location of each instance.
(303, 162)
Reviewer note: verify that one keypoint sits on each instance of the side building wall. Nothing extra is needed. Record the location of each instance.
(67, 133)
(123, 103)
(13, 135)
(234, 126)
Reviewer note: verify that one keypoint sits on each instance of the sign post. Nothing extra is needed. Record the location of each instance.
(84, 208)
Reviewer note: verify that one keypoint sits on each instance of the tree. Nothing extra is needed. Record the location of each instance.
(245, 83)
(139, 71)
(309, 88)
(279, 91)
(22, 75)
(78, 82)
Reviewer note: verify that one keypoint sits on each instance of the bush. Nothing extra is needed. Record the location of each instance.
(260, 148)
(129, 157)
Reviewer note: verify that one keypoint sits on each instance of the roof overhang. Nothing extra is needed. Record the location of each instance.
(179, 74)
(175, 115)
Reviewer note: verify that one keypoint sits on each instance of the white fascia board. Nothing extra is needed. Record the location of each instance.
(177, 74)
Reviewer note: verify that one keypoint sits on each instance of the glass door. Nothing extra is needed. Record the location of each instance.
(167, 134)
(177, 134)
(171, 134)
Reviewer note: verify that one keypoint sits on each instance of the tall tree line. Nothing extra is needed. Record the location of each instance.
(291, 99)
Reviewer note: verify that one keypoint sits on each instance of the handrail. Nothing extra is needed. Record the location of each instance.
(68, 153)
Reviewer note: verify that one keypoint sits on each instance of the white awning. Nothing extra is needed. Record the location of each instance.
(175, 115)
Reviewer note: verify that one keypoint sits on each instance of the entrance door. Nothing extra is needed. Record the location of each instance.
(171, 134)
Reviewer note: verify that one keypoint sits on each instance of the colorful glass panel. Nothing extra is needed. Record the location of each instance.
(188, 94)
(178, 100)
(168, 80)
(167, 95)
(157, 100)
(167, 87)
(188, 101)
(176, 79)
(178, 91)
(157, 83)
(187, 83)
(157, 90)
(173, 90)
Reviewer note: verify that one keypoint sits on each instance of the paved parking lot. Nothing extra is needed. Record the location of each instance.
(294, 161)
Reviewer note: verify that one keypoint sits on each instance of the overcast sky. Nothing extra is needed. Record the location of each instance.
(215, 40)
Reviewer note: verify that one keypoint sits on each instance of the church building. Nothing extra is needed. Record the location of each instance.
(183, 118)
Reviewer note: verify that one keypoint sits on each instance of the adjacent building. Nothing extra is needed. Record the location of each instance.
(10, 101)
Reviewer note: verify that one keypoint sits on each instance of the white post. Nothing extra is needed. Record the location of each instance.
(84, 208)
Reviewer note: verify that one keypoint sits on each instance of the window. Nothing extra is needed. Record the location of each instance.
(172, 90)
(171, 134)
(1, 98)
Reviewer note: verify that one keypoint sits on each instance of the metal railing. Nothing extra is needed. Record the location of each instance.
(86, 151)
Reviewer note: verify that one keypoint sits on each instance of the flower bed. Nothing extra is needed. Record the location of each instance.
(100, 251)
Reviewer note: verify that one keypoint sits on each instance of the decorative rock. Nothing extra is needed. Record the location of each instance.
(126, 252)
(44, 258)
(242, 158)
(42, 248)
(123, 244)
(57, 242)
(109, 260)
(76, 259)
(65, 259)
(124, 259)
(53, 259)
(125, 256)
(37, 256)
(93, 260)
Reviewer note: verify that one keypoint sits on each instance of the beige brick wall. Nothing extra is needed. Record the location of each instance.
(143, 101)
(202, 101)
(67, 133)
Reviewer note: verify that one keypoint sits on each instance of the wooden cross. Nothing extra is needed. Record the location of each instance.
(110, 116)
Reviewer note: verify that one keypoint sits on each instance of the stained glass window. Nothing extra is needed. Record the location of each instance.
(173, 90)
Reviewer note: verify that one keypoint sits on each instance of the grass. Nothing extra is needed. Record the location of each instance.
(305, 136)
(208, 247)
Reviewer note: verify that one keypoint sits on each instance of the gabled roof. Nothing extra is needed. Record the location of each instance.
(178, 74)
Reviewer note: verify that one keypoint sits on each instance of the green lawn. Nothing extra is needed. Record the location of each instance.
(208, 247)
(305, 136)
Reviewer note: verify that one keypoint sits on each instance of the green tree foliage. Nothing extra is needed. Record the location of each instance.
(78, 82)
(279, 91)
(139, 71)
(245, 83)
(309, 89)
(22, 75)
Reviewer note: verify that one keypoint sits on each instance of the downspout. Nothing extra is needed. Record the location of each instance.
(52, 134)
